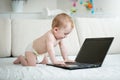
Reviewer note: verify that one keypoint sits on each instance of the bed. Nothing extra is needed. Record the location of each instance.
(110, 70)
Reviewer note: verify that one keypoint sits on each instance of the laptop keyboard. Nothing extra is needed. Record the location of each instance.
(82, 65)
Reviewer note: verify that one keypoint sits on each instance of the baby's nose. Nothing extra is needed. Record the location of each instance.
(65, 36)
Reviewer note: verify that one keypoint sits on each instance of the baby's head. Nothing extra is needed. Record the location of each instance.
(61, 20)
(62, 25)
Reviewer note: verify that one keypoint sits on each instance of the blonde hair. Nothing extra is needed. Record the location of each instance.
(62, 19)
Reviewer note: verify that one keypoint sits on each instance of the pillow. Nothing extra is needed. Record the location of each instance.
(100, 27)
(5, 37)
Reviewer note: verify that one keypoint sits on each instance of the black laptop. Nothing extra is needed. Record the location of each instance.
(91, 54)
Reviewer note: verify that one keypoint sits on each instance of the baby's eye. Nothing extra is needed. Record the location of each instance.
(66, 33)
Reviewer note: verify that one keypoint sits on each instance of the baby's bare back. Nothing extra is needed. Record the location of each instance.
(40, 44)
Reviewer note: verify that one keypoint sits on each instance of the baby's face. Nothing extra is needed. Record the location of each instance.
(63, 32)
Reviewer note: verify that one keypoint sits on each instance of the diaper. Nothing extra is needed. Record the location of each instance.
(39, 56)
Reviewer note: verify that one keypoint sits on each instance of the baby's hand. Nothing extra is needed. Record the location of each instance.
(59, 62)
(68, 60)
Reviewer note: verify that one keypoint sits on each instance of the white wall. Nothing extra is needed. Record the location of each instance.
(108, 6)
(38, 5)
(29, 6)
(102, 7)
(5, 6)
(31, 9)
(34, 7)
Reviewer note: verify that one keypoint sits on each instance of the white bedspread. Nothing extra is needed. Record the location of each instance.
(110, 70)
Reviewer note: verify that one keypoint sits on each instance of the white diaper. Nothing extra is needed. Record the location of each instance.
(39, 57)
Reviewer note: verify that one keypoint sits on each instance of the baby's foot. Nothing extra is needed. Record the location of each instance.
(17, 61)
(44, 62)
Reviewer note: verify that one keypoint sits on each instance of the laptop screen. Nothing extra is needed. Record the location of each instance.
(93, 50)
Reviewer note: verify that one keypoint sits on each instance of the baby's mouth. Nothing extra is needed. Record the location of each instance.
(60, 38)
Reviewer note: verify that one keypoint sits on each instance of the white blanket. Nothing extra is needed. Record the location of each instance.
(110, 70)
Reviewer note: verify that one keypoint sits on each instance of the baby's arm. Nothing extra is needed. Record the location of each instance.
(64, 52)
(51, 52)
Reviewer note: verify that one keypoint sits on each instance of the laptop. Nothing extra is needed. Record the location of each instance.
(90, 55)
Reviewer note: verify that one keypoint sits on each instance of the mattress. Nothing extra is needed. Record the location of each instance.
(110, 70)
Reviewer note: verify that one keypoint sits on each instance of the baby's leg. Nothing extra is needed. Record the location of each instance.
(30, 59)
(17, 61)
(45, 60)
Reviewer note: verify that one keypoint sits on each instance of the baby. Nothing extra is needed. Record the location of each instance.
(62, 25)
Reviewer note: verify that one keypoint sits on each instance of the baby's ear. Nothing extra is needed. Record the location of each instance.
(55, 29)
